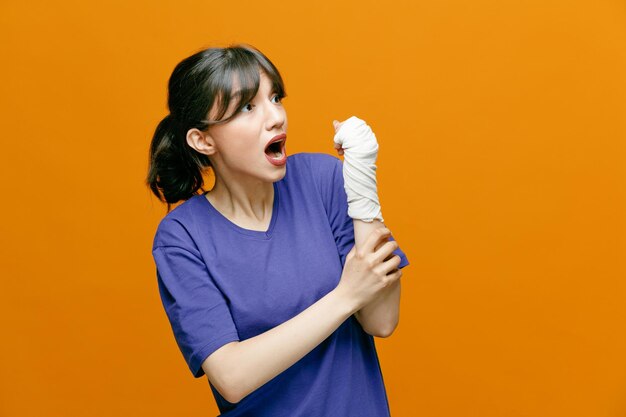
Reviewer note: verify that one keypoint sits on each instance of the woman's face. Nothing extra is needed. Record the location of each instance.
(239, 144)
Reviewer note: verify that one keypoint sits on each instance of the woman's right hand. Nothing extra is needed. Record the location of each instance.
(370, 269)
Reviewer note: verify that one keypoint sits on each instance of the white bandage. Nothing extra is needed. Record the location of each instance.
(359, 169)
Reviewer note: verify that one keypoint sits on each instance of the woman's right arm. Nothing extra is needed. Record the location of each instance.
(239, 368)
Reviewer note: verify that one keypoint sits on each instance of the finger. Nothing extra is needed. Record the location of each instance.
(386, 250)
(395, 275)
(391, 265)
(375, 238)
(382, 243)
(391, 278)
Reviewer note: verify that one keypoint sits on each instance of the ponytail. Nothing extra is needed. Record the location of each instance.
(199, 84)
(175, 169)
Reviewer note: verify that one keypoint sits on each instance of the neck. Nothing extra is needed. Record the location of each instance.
(251, 199)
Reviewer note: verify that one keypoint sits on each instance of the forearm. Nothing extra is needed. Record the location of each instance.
(257, 360)
(356, 139)
(379, 317)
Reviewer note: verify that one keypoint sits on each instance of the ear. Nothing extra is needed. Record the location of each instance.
(201, 141)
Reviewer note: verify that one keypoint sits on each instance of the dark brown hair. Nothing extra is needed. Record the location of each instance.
(196, 84)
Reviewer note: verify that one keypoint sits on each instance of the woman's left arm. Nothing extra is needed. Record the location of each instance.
(380, 317)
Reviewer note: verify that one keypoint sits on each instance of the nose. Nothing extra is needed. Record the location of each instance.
(276, 115)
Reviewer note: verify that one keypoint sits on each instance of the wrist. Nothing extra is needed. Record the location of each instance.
(348, 304)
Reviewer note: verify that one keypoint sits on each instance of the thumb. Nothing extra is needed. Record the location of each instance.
(335, 123)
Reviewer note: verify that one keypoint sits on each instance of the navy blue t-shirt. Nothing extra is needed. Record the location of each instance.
(221, 283)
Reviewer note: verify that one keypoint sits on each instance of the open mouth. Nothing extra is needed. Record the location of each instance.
(276, 150)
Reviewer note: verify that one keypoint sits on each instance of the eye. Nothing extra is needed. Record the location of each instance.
(246, 106)
(278, 96)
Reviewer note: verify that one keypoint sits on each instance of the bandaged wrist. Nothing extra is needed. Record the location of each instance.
(359, 169)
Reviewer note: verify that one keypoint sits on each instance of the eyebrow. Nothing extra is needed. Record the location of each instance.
(237, 93)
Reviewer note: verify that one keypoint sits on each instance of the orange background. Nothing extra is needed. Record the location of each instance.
(501, 173)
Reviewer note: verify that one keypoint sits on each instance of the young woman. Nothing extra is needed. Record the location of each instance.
(265, 288)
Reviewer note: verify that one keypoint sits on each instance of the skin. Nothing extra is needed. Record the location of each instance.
(243, 189)
(380, 317)
(244, 193)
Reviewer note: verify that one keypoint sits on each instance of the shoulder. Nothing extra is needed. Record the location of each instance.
(314, 157)
(320, 169)
(177, 227)
(324, 172)
(317, 163)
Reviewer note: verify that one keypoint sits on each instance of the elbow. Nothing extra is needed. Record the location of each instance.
(232, 389)
(229, 390)
(233, 398)
(385, 332)
(379, 330)
(223, 375)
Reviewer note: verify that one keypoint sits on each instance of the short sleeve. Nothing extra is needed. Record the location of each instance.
(196, 308)
(328, 171)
